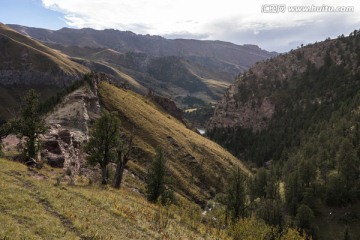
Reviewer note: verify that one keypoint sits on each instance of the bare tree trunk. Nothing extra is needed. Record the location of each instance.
(119, 175)
(122, 159)
(104, 175)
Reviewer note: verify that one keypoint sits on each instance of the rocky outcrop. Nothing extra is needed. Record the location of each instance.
(69, 129)
(252, 100)
(75, 112)
(61, 148)
(252, 114)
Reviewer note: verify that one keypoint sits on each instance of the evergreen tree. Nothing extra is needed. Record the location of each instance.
(304, 217)
(293, 192)
(260, 182)
(104, 139)
(156, 178)
(30, 125)
(270, 211)
(348, 165)
(235, 195)
(307, 172)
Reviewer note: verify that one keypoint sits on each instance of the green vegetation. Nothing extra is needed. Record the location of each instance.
(310, 147)
(30, 124)
(50, 102)
(123, 153)
(34, 207)
(200, 116)
(235, 195)
(81, 209)
(157, 181)
(197, 166)
(104, 139)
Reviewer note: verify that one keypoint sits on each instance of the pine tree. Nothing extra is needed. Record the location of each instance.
(104, 139)
(348, 164)
(304, 217)
(156, 178)
(30, 125)
(235, 195)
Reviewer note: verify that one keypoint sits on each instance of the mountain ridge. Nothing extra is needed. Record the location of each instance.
(202, 62)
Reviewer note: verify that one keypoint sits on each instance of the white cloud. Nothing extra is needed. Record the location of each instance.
(204, 19)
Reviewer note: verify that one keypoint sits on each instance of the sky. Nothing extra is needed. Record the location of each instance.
(270, 24)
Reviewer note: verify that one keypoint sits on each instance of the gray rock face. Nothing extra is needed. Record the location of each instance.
(59, 150)
(251, 115)
(75, 112)
(69, 130)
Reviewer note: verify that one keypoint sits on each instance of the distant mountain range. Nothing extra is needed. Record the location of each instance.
(192, 72)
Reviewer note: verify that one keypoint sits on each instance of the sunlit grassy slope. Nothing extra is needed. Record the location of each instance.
(198, 165)
(40, 56)
(27, 63)
(32, 207)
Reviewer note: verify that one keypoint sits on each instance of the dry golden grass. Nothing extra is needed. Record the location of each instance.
(33, 207)
(41, 56)
(198, 165)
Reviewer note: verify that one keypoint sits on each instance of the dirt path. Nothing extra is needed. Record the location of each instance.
(66, 222)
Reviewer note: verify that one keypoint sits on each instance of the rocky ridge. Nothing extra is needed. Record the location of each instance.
(69, 128)
(229, 112)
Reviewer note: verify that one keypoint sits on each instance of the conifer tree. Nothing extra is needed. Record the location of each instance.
(30, 124)
(156, 178)
(235, 195)
(104, 139)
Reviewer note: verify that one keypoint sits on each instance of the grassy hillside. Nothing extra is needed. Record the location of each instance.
(26, 63)
(198, 166)
(43, 58)
(33, 207)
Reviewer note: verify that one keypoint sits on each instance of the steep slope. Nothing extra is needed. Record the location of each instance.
(279, 98)
(34, 204)
(298, 115)
(26, 63)
(198, 166)
(32, 207)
